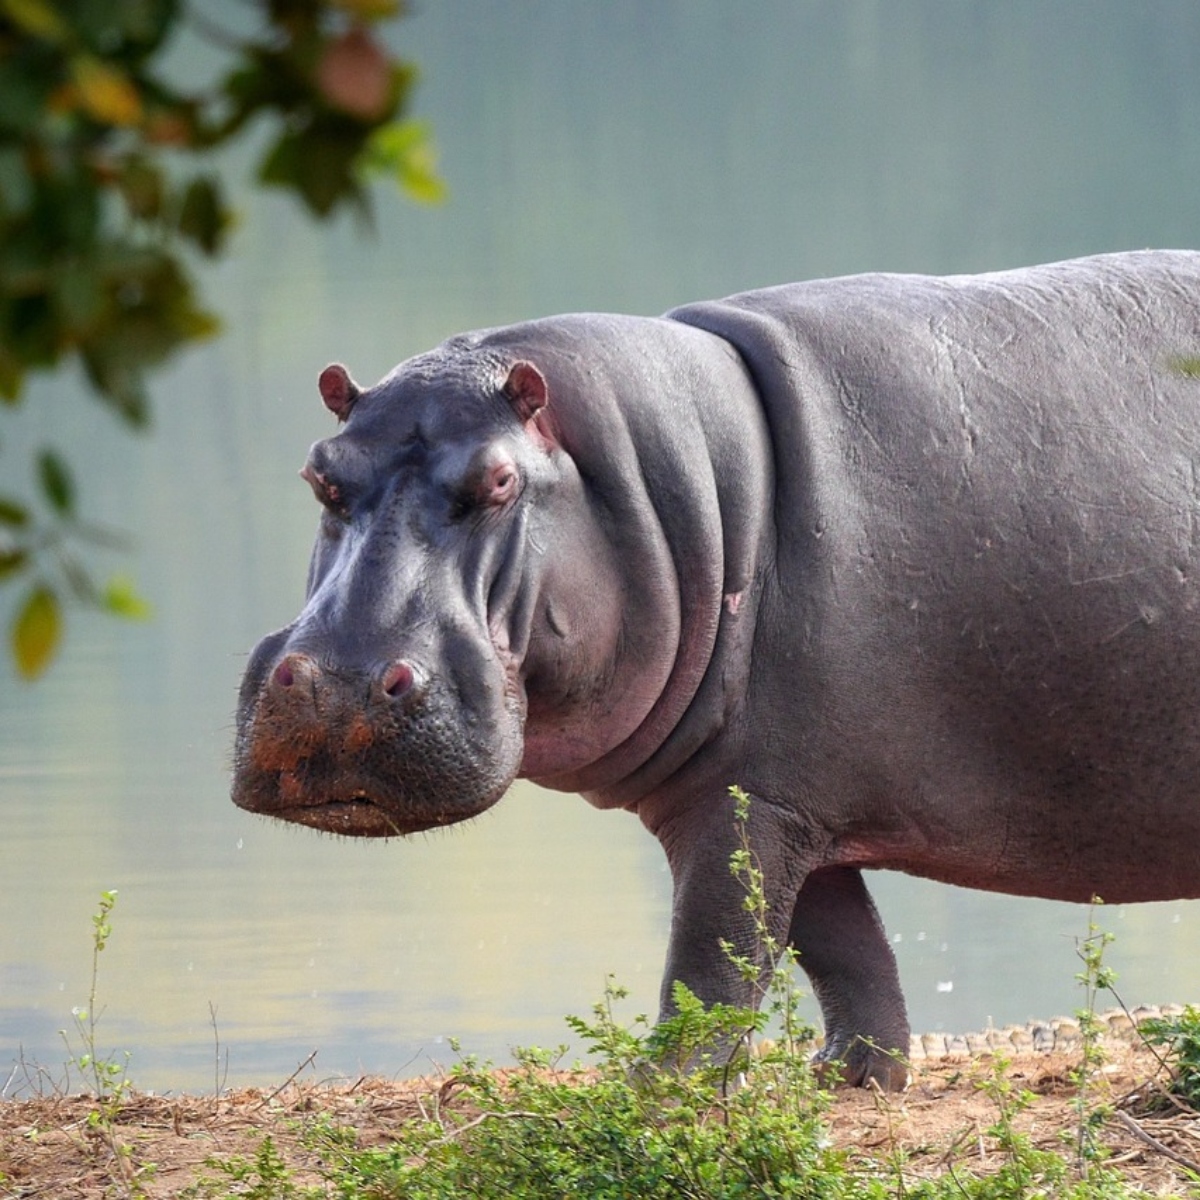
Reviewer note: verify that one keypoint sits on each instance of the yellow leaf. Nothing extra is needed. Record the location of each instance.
(36, 632)
(369, 10)
(106, 93)
(35, 17)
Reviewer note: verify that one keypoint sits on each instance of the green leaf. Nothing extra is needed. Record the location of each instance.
(26, 83)
(13, 513)
(141, 184)
(122, 600)
(404, 150)
(203, 217)
(36, 17)
(16, 187)
(32, 331)
(79, 295)
(57, 485)
(118, 386)
(36, 632)
(12, 562)
(11, 378)
(141, 24)
(318, 164)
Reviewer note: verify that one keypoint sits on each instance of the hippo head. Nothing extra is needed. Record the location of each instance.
(436, 656)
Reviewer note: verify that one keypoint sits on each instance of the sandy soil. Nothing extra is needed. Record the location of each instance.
(48, 1148)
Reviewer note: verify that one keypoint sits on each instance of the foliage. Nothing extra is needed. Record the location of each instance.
(265, 1177)
(108, 187)
(1094, 979)
(108, 1078)
(1180, 1036)
(624, 1131)
(780, 993)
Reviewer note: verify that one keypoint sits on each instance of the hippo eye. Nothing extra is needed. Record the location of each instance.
(492, 488)
(501, 485)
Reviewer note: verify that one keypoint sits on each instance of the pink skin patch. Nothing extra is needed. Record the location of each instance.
(397, 679)
(338, 390)
(529, 396)
(498, 484)
(327, 493)
(733, 601)
(525, 388)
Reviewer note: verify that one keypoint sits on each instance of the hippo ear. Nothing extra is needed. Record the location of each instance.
(526, 390)
(338, 390)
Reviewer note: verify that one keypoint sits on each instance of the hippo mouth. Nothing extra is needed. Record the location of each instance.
(335, 797)
(312, 749)
(357, 816)
(358, 812)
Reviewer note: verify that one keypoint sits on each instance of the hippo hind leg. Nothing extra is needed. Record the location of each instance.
(842, 946)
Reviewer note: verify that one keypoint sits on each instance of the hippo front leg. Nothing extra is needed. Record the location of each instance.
(844, 950)
(708, 908)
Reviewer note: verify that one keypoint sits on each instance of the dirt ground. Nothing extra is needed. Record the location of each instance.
(48, 1149)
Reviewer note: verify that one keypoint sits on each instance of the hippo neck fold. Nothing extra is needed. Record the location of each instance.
(665, 428)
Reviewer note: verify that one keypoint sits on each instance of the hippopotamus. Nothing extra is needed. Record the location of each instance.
(914, 561)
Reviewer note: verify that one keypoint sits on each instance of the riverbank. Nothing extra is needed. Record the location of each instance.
(158, 1147)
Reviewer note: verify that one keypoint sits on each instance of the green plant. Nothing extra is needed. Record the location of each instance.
(1094, 979)
(781, 996)
(108, 1078)
(264, 1177)
(1180, 1036)
(622, 1129)
(1024, 1164)
(52, 538)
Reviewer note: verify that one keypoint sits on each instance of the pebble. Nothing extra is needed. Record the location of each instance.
(1041, 1037)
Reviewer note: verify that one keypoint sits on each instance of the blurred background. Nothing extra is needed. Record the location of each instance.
(627, 156)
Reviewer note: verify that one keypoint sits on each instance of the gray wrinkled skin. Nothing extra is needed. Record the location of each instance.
(912, 560)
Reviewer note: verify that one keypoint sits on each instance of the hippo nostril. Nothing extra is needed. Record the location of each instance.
(398, 679)
(292, 667)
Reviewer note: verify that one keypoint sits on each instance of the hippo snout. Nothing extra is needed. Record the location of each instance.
(370, 752)
(300, 679)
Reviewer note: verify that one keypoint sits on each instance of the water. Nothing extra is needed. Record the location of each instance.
(625, 157)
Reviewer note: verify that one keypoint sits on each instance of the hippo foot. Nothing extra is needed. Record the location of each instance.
(857, 1062)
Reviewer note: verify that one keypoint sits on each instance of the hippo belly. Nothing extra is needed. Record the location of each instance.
(912, 560)
(1013, 632)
